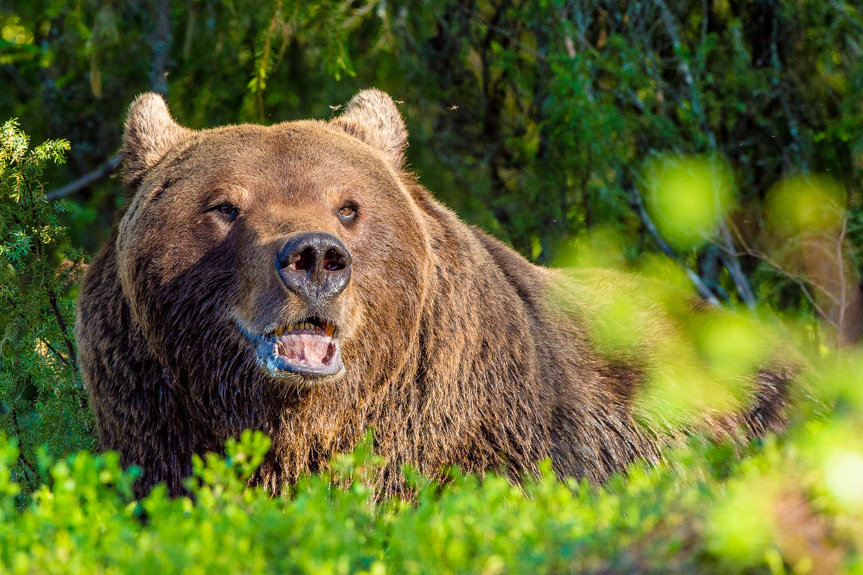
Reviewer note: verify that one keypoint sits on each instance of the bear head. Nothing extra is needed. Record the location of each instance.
(280, 255)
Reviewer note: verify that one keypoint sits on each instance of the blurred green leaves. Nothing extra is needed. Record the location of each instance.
(842, 478)
(688, 197)
(742, 523)
(808, 204)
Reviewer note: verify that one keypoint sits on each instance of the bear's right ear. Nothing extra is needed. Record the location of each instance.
(372, 117)
(150, 132)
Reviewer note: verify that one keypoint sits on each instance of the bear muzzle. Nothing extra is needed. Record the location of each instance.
(315, 267)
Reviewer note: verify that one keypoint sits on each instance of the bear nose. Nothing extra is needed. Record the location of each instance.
(315, 266)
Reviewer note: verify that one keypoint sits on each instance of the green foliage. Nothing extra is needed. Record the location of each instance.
(688, 199)
(704, 513)
(42, 401)
(716, 144)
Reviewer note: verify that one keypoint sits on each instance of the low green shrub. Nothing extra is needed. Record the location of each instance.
(790, 505)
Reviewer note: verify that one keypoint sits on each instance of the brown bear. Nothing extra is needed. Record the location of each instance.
(296, 279)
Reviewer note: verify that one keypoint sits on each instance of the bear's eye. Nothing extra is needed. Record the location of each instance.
(228, 209)
(347, 213)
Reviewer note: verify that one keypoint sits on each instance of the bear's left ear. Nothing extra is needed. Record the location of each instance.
(372, 116)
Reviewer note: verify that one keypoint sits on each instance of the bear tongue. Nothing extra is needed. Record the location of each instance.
(305, 349)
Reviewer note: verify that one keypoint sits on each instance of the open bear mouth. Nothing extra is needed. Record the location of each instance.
(309, 348)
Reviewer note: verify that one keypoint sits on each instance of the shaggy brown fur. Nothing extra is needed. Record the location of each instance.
(456, 349)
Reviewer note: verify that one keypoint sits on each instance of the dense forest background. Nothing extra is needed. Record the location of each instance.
(717, 144)
(533, 120)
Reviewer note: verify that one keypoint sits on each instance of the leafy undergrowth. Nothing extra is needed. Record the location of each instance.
(791, 504)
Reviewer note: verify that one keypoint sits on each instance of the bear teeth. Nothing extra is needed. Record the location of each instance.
(328, 328)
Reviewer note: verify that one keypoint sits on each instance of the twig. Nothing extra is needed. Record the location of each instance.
(801, 283)
(160, 47)
(699, 284)
(357, 13)
(503, 32)
(668, 19)
(825, 290)
(106, 169)
(56, 353)
(25, 463)
(847, 14)
(732, 264)
(61, 323)
(261, 73)
(843, 289)
(190, 30)
(793, 124)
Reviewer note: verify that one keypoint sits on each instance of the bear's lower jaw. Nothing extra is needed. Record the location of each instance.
(306, 351)
(302, 358)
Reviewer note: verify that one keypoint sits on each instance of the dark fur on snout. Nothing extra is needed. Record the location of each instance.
(456, 349)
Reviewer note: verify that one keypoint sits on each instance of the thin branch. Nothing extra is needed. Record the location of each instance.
(262, 72)
(56, 353)
(61, 323)
(160, 47)
(25, 463)
(668, 19)
(801, 282)
(106, 169)
(357, 14)
(503, 32)
(843, 289)
(699, 284)
(732, 264)
(190, 30)
(812, 243)
(805, 289)
(793, 124)
(847, 13)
